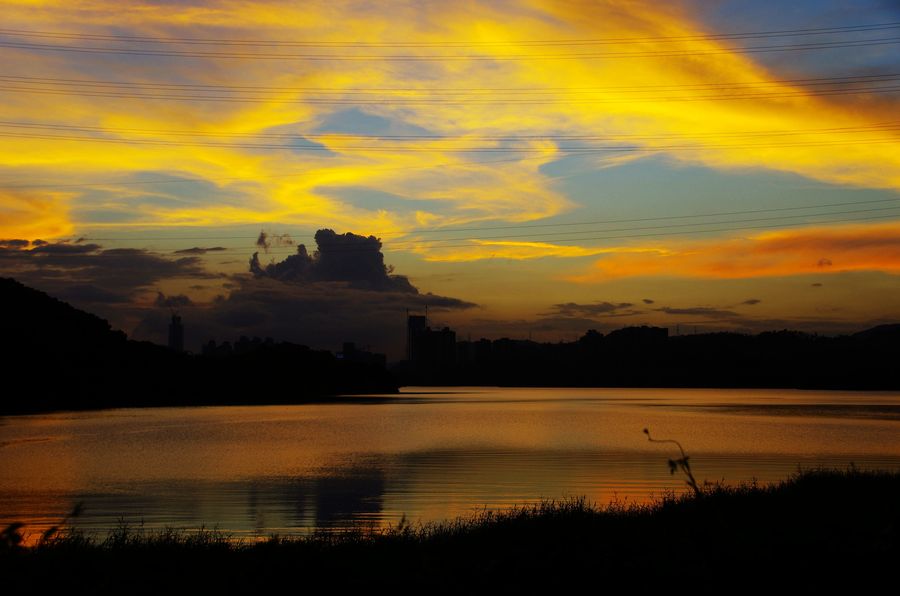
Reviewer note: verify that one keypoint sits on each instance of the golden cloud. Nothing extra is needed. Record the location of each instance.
(475, 250)
(27, 215)
(686, 115)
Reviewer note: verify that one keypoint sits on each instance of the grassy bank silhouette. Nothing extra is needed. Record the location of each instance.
(814, 528)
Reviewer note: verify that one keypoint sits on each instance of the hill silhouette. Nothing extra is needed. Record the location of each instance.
(62, 358)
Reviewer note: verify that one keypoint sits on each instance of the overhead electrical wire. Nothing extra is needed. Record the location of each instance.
(408, 101)
(805, 81)
(486, 242)
(842, 29)
(554, 236)
(473, 149)
(255, 177)
(449, 57)
(815, 86)
(607, 222)
(557, 224)
(890, 125)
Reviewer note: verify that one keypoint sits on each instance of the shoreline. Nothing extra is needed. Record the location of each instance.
(386, 397)
(818, 525)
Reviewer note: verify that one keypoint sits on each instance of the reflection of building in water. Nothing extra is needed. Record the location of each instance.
(354, 495)
(428, 348)
(176, 334)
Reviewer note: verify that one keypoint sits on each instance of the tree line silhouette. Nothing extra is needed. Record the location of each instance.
(650, 357)
(64, 358)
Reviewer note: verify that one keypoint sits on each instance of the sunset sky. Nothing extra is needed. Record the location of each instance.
(533, 168)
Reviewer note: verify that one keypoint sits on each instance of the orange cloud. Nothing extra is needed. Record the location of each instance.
(820, 250)
(30, 215)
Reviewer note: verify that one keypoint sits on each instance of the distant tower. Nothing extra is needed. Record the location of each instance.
(415, 330)
(176, 334)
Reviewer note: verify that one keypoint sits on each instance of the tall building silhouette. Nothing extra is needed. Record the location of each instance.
(415, 330)
(427, 348)
(176, 334)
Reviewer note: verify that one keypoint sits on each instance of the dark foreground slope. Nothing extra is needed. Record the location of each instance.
(820, 529)
(62, 358)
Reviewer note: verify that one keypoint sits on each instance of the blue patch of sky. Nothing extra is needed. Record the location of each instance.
(733, 16)
(106, 215)
(180, 192)
(374, 200)
(357, 121)
(301, 145)
(658, 187)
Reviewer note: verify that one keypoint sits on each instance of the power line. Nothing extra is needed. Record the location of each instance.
(564, 224)
(658, 227)
(807, 81)
(681, 233)
(450, 57)
(452, 43)
(492, 100)
(668, 217)
(429, 149)
(445, 165)
(554, 236)
(469, 244)
(875, 127)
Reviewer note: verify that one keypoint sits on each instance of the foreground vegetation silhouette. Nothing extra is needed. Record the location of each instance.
(682, 463)
(818, 528)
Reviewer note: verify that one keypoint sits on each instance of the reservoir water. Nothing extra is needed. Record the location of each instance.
(427, 454)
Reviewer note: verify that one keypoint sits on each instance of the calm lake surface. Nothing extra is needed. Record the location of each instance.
(426, 454)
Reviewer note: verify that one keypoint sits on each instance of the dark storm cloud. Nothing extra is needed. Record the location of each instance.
(177, 301)
(350, 258)
(342, 292)
(751, 301)
(263, 241)
(318, 314)
(699, 311)
(90, 273)
(648, 301)
(572, 309)
(14, 243)
(111, 283)
(64, 248)
(198, 250)
(266, 240)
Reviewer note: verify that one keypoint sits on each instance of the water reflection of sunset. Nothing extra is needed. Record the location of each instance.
(428, 456)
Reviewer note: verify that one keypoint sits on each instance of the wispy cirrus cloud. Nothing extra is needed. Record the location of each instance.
(259, 150)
